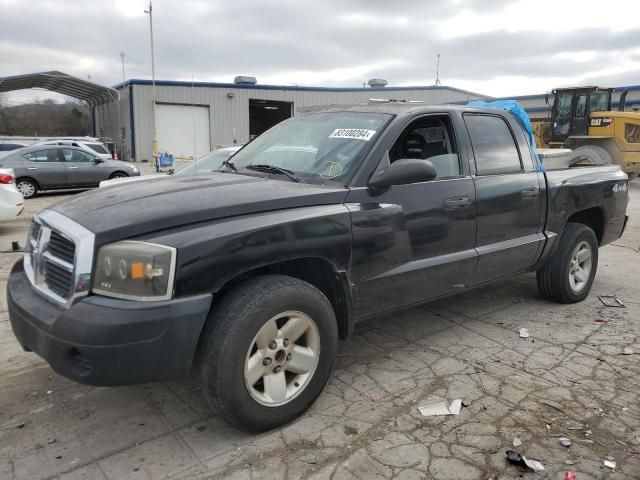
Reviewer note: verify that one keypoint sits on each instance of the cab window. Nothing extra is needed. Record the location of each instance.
(493, 145)
(429, 138)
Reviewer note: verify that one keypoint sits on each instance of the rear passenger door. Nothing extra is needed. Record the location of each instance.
(509, 197)
(45, 167)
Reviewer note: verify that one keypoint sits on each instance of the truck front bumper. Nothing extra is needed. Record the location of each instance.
(106, 341)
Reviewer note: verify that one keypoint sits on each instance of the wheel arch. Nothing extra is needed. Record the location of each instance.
(591, 217)
(317, 271)
(27, 177)
(121, 172)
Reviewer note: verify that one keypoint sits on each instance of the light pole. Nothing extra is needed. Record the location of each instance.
(153, 80)
(122, 57)
(438, 69)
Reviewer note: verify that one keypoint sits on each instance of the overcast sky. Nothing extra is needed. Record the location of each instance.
(495, 47)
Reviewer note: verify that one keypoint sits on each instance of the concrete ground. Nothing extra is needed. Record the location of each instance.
(570, 378)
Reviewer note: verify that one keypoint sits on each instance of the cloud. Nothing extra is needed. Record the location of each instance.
(498, 47)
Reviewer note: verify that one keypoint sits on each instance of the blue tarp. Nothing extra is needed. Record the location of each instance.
(517, 111)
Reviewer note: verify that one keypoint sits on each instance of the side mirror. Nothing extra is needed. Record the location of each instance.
(402, 172)
(98, 160)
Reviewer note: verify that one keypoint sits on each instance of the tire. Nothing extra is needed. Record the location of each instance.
(118, 175)
(231, 355)
(559, 280)
(27, 187)
(595, 155)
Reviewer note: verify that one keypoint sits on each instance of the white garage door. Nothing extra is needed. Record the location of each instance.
(177, 125)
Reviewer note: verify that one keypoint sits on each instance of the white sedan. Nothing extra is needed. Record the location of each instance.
(207, 163)
(11, 200)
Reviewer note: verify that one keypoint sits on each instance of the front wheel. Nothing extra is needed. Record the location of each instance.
(118, 175)
(568, 274)
(268, 351)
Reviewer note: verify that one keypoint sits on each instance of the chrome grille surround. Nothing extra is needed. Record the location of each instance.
(57, 279)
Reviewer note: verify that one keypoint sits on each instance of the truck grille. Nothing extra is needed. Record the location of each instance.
(60, 257)
(52, 256)
(61, 247)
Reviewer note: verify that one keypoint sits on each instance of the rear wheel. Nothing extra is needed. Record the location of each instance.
(27, 187)
(268, 351)
(593, 155)
(568, 274)
(118, 175)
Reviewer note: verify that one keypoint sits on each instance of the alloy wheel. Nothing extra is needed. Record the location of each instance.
(282, 358)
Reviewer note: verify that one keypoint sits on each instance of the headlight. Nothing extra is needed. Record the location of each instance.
(132, 167)
(135, 271)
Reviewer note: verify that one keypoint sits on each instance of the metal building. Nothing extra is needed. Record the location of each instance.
(194, 118)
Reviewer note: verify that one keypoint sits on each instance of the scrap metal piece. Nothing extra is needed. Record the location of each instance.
(611, 301)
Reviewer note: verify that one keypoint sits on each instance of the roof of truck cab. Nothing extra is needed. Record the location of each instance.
(399, 109)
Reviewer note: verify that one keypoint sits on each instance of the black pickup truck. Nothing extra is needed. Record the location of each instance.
(248, 276)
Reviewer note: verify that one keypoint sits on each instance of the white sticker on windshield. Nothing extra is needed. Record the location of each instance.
(355, 133)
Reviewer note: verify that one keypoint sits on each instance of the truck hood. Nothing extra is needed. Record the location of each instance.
(136, 208)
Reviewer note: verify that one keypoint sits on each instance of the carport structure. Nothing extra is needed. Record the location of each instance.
(93, 94)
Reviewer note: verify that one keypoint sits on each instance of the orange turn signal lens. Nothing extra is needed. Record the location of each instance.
(137, 270)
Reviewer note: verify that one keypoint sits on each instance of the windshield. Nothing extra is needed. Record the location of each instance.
(207, 163)
(317, 147)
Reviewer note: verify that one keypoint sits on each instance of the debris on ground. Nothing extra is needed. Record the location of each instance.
(524, 333)
(516, 459)
(565, 441)
(569, 475)
(441, 408)
(517, 442)
(466, 403)
(627, 351)
(309, 458)
(611, 301)
(601, 320)
(557, 406)
(609, 462)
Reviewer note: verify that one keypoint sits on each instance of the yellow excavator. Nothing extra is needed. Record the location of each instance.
(581, 119)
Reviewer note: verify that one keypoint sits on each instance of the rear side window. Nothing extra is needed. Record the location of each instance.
(48, 155)
(493, 145)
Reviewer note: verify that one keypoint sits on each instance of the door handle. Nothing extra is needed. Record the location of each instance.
(457, 202)
(531, 192)
(32, 168)
(73, 168)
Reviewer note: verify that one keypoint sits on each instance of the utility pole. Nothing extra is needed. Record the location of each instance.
(438, 70)
(122, 57)
(153, 80)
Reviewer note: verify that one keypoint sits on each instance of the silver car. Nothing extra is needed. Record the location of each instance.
(49, 167)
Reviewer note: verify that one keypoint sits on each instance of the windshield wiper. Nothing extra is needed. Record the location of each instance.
(229, 164)
(274, 169)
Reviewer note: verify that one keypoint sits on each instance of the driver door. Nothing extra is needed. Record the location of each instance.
(82, 168)
(415, 242)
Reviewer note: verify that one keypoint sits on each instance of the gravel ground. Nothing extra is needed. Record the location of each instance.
(570, 378)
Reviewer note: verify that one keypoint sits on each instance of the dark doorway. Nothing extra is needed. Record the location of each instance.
(264, 114)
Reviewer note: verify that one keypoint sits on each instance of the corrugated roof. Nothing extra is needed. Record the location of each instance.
(59, 82)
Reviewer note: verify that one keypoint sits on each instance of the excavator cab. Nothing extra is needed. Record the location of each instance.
(572, 108)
